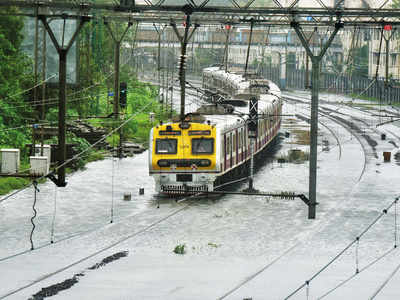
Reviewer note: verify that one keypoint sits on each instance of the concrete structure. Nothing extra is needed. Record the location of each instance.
(9, 160)
(39, 165)
(46, 151)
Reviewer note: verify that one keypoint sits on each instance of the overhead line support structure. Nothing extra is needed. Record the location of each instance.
(62, 79)
(279, 16)
(187, 9)
(315, 60)
(117, 50)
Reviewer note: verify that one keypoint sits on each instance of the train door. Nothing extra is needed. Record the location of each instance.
(184, 148)
(224, 152)
(240, 144)
(230, 149)
(237, 146)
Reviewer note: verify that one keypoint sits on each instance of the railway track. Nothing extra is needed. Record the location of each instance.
(87, 257)
(348, 126)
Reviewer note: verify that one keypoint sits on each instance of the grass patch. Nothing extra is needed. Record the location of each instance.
(302, 137)
(180, 249)
(295, 156)
(214, 245)
(94, 156)
(7, 184)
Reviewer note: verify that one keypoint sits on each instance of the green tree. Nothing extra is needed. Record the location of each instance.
(15, 76)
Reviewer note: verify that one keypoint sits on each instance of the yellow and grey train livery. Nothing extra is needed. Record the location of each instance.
(184, 157)
(212, 146)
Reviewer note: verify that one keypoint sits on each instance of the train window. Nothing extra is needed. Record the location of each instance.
(234, 142)
(202, 146)
(166, 146)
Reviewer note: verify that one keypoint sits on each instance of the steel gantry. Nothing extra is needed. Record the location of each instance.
(320, 13)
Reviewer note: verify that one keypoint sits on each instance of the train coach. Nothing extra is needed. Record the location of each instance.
(212, 145)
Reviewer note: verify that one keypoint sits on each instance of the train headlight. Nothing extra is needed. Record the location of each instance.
(163, 163)
(205, 163)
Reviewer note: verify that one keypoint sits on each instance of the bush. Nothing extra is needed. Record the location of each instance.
(180, 249)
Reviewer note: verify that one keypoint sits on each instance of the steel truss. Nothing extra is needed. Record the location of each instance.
(240, 13)
(205, 13)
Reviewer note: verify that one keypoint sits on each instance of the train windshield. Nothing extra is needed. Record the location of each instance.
(166, 146)
(202, 146)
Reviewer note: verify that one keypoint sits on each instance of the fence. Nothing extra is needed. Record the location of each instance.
(338, 84)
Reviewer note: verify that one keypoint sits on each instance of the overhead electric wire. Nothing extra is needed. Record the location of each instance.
(355, 274)
(31, 88)
(82, 152)
(384, 212)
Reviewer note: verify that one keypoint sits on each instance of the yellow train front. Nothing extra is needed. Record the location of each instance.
(183, 157)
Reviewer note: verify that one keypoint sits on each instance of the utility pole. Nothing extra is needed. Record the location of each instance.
(307, 76)
(316, 60)
(35, 90)
(43, 111)
(160, 31)
(226, 51)
(249, 45)
(387, 44)
(187, 9)
(117, 50)
(62, 78)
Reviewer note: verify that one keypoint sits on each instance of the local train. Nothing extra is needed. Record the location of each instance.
(212, 145)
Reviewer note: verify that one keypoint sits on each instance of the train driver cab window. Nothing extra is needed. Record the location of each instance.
(202, 146)
(166, 146)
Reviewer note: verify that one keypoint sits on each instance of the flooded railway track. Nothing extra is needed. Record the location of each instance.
(93, 254)
(349, 126)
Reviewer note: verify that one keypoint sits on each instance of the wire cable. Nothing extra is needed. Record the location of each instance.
(384, 212)
(53, 221)
(84, 151)
(356, 274)
(385, 282)
(112, 192)
(34, 214)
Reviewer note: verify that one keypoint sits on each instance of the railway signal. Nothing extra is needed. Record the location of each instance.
(253, 117)
(122, 94)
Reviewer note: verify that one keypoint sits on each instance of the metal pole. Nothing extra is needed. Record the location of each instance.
(62, 148)
(387, 63)
(306, 83)
(313, 136)
(62, 52)
(159, 67)
(43, 90)
(316, 60)
(226, 48)
(116, 92)
(35, 90)
(248, 46)
(252, 140)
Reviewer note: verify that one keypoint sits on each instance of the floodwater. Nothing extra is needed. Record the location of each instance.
(235, 246)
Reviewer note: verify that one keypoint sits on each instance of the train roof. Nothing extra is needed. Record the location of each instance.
(227, 121)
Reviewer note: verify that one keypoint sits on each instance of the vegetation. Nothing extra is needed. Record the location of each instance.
(90, 100)
(180, 249)
(15, 76)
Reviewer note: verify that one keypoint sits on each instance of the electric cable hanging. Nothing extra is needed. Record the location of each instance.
(307, 290)
(357, 246)
(112, 189)
(78, 155)
(54, 215)
(34, 213)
